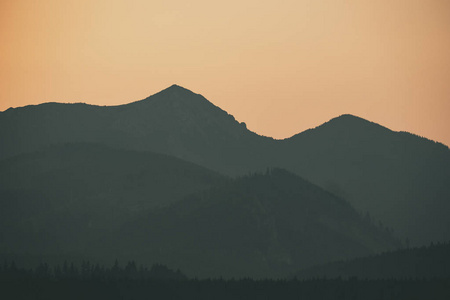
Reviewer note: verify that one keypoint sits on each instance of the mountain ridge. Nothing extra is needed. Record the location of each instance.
(269, 223)
(89, 201)
(401, 179)
(180, 92)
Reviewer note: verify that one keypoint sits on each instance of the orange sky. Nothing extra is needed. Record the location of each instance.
(279, 66)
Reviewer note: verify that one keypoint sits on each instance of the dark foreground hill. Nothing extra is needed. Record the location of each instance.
(400, 179)
(257, 226)
(418, 263)
(58, 200)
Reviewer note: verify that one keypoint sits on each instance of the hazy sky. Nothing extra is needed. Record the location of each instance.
(279, 66)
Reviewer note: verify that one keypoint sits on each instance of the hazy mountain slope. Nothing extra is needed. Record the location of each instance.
(262, 225)
(425, 262)
(174, 121)
(60, 199)
(401, 179)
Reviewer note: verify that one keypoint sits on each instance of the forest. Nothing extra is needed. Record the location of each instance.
(129, 282)
(426, 277)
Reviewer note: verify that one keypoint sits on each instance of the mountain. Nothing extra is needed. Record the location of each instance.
(418, 263)
(400, 179)
(87, 201)
(262, 225)
(174, 121)
(61, 199)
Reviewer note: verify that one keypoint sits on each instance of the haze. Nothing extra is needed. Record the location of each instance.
(279, 67)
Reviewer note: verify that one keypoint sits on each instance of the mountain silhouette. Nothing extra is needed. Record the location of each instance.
(262, 225)
(62, 198)
(88, 201)
(401, 179)
(174, 121)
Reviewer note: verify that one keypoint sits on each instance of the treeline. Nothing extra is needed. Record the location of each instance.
(130, 282)
(428, 262)
(88, 271)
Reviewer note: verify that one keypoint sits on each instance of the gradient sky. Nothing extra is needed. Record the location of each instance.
(280, 66)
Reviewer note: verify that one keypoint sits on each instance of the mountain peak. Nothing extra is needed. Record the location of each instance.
(177, 93)
(351, 122)
(176, 89)
(173, 94)
(348, 118)
(347, 124)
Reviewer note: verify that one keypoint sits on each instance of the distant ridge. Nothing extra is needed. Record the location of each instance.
(352, 122)
(401, 179)
(175, 121)
(398, 177)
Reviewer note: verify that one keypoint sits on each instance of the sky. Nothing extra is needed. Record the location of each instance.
(279, 66)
